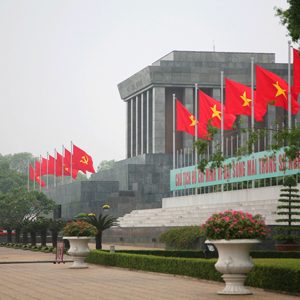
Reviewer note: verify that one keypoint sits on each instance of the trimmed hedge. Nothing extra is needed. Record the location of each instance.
(199, 268)
(47, 249)
(263, 275)
(200, 253)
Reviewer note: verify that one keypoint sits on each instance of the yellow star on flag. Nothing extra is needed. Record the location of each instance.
(193, 120)
(216, 113)
(245, 99)
(280, 90)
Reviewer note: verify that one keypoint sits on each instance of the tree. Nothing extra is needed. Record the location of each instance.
(20, 205)
(10, 179)
(290, 17)
(288, 211)
(102, 223)
(106, 165)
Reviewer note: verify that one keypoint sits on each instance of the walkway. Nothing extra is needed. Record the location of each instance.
(48, 281)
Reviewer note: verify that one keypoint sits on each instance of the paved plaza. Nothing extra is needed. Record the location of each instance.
(27, 275)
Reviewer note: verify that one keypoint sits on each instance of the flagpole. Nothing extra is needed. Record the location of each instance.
(34, 164)
(174, 136)
(252, 105)
(47, 170)
(222, 112)
(196, 127)
(71, 162)
(289, 87)
(28, 175)
(40, 173)
(54, 176)
(62, 164)
(252, 94)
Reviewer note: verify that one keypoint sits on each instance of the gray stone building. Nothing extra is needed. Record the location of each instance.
(148, 94)
(142, 179)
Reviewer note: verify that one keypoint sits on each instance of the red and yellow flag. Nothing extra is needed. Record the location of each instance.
(82, 161)
(296, 72)
(33, 176)
(58, 164)
(186, 122)
(272, 89)
(239, 102)
(210, 109)
(67, 165)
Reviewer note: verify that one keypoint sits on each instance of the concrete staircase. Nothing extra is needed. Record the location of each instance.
(195, 214)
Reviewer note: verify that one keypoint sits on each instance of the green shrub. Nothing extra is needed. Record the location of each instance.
(199, 268)
(200, 253)
(274, 274)
(181, 238)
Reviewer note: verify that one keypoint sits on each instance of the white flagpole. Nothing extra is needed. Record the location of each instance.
(252, 104)
(71, 161)
(62, 164)
(40, 173)
(174, 136)
(47, 170)
(289, 87)
(252, 95)
(34, 165)
(222, 112)
(196, 128)
(54, 176)
(28, 175)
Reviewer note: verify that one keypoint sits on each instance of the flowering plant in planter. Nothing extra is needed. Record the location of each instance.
(79, 228)
(232, 224)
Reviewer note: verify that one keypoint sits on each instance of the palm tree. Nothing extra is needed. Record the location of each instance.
(102, 223)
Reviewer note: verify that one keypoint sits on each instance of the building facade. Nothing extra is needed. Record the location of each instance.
(148, 94)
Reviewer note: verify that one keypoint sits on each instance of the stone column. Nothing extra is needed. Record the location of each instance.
(147, 122)
(131, 127)
(142, 123)
(158, 138)
(136, 126)
(127, 129)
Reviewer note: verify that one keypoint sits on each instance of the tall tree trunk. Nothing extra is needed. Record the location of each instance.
(8, 237)
(18, 234)
(33, 238)
(98, 239)
(25, 237)
(44, 238)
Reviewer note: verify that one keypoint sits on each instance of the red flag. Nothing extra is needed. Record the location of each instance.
(210, 109)
(33, 176)
(272, 89)
(58, 165)
(51, 164)
(31, 173)
(67, 165)
(82, 161)
(44, 168)
(38, 168)
(296, 71)
(186, 122)
(238, 100)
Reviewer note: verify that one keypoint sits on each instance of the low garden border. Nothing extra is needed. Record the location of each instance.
(263, 275)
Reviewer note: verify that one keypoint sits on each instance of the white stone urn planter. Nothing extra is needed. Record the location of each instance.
(79, 250)
(234, 263)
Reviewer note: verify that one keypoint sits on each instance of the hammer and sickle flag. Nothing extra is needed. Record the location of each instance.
(82, 161)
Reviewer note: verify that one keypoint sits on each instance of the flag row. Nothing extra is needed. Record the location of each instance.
(270, 90)
(69, 163)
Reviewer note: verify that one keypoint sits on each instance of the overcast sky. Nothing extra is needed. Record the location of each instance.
(61, 61)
